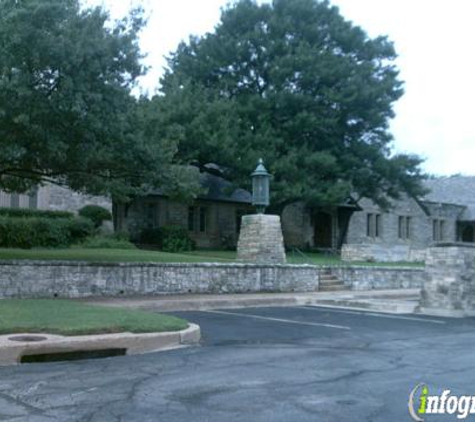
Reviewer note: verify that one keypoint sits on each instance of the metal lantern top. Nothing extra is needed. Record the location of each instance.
(260, 187)
(260, 169)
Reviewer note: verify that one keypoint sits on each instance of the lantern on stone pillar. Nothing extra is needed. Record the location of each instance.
(260, 187)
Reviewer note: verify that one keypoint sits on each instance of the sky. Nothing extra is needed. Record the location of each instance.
(436, 58)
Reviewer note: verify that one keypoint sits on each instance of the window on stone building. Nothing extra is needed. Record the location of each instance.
(408, 227)
(438, 230)
(198, 219)
(369, 224)
(404, 227)
(151, 215)
(373, 225)
(191, 219)
(442, 229)
(15, 200)
(377, 225)
(33, 199)
(203, 219)
(400, 227)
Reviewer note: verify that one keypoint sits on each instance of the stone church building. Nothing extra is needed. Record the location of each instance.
(445, 214)
(361, 231)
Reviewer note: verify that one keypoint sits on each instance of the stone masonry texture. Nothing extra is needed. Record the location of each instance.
(69, 279)
(372, 252)
(449, 288)
(261, 240)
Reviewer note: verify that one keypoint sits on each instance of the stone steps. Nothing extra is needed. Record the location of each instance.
(330, 283)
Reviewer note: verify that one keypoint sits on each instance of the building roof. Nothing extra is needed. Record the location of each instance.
(458, 190)
(219, 189)
(215, 188)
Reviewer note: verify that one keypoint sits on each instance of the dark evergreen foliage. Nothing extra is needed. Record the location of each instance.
(295, 83)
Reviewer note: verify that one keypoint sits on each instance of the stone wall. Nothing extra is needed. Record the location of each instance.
(371, 252)
(378, 277)
(449, 288)
(82, 279)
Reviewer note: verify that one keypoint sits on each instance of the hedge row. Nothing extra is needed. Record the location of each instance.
(27, 212)
(43, 231)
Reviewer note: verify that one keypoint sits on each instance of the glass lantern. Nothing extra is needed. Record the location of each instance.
(260, 187)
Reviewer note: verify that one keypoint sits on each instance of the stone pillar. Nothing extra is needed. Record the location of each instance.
(261, 239)
(449, 286)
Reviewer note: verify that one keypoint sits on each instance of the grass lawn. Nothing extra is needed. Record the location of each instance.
(298, 258)
(106, 255)
(138, 255)
(75, 318)
(292, 258)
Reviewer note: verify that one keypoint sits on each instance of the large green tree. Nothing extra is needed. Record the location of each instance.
(66, 110)
(295, 83)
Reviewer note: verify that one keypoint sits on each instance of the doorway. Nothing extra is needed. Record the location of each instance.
(323, 225)
(468, 234)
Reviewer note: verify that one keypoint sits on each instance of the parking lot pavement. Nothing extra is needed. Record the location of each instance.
(261, 364)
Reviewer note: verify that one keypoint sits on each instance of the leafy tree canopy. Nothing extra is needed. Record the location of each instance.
(295, 83)
(66, 111)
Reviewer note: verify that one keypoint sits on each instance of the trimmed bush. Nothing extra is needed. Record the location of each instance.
(96, 214)
(28, 233)
(168, 239)
(27, 212)
(80, 228)
(106, 242)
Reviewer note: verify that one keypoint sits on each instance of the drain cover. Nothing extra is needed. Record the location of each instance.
(27, 338)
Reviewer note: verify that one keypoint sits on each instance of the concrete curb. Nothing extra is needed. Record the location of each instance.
(12, 351)
(445, 313)
(371, 305)
(391, 301)
(365, 307)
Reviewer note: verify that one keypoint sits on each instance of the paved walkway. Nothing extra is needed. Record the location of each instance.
(390, 301)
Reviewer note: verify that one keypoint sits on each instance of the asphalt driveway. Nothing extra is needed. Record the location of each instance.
(267, 364)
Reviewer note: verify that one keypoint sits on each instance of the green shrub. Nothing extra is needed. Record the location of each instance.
(27, 212)
(80, 228)
(14, 234)
(152, 237)
(121, 235)
(50, 233)
(96, 214)
(106, 242)
(33, 232)
(168, 239)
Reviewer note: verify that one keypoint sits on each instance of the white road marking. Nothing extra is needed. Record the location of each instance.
(287, 321)
(368, 313)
